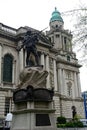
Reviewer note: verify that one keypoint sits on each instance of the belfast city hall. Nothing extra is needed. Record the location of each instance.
(54, 48)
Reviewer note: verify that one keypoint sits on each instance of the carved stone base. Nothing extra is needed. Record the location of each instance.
(34, 76)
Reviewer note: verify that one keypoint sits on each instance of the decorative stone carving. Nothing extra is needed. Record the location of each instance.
(33, 94)
(34, 76)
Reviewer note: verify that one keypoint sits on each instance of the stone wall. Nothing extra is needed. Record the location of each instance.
(57, 106)
(63, 107)
(67, 105)
(2, 104)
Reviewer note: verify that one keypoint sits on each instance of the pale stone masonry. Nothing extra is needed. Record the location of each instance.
(56, 56)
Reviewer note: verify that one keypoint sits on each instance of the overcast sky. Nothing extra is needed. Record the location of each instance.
(36, 14)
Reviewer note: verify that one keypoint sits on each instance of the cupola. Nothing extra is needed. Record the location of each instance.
(56, 20)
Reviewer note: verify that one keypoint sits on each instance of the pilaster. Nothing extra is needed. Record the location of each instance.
(79, 84)
(21, 60)
(47, 68)
(42, 59)
(60, 80)
(75, 85)
(55, 75)
(0, 62)
(13, 73)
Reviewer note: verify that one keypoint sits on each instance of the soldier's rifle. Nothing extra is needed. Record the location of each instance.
(31, 38)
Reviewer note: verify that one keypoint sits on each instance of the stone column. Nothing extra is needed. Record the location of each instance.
(63, 42)
(60, 80)
(0, 62)
(47, 68)
(55, 75)
(63, 83)
(75, 85)
(42, 59)
(25, 55)
(14, 74)
(79, 84)
(21, 66)
(57, 81)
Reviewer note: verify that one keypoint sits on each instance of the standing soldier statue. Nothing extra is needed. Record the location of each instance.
(74, 113)
(29, 42)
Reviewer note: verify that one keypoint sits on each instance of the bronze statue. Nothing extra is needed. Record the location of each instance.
(74, 111)
(29, 42)
(30, 93)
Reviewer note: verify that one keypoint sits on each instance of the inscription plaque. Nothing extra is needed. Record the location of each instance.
(42, 120)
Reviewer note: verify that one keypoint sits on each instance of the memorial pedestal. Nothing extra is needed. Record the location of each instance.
(34, 109)
(37, 116)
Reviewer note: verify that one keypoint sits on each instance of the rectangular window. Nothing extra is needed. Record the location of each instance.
(64, 40)
(69, 91)
(65, 43)
(69, 75)
(57, 35)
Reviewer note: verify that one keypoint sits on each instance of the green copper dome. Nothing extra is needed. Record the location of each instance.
(56, 16)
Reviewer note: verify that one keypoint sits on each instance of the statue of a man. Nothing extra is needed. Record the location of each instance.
(29, 42)
(74, 111)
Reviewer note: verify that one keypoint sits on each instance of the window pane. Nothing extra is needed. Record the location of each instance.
(7, 68)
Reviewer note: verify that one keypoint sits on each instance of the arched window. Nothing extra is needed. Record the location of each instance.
(7, 68)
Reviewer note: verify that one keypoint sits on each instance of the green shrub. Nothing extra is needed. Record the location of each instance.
(69, 124)
(60, 125)
(78, 124)
(74, 124)
(61, 120)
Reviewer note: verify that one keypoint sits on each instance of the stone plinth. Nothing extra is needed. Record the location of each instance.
(33, 103)
(34, 116)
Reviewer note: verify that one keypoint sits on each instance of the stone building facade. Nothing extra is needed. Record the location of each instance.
(56, 56)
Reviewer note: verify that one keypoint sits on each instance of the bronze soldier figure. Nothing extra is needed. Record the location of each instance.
(29, 42)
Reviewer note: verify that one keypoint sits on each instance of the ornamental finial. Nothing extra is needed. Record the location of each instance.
(55, 8)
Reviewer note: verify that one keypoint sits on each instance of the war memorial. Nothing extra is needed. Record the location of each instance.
(39, 75)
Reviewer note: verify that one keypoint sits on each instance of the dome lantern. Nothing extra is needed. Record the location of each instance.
(56, 16)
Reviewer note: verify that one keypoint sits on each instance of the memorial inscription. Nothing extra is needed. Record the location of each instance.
(42, 120)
